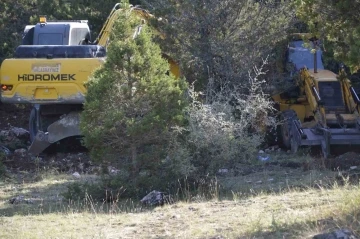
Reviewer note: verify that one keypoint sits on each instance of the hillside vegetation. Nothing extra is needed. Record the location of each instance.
(202, 139)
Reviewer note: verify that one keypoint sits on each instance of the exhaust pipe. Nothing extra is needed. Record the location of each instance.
(315, 61)
(315, 45)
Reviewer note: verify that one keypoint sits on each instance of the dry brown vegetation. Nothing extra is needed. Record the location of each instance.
(271, 201)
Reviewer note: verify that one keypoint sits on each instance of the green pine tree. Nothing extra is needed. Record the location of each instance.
(132, 101)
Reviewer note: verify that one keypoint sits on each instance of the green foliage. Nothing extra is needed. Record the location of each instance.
(218, 42)
(13, 18)
(337, 23)
(2, 166)
(79, 191)
(132, 103)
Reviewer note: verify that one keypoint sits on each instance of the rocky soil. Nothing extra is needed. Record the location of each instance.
(15, 140)
(14, 115)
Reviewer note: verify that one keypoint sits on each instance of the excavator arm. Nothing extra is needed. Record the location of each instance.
(103, 38)
(104, 35)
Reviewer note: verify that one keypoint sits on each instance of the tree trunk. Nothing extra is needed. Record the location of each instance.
(134, 158)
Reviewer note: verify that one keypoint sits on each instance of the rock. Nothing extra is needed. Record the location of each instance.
(261, 152)
(154, 198)
(19, 132)
(16, 200)
(4, 133)
(15, 138)
(20, 152)
(223, 170)
(176, 216)
(15, 132)
(339, 234)
(113, 171)
(5, 150)
(193, 208)
(20, 199)
(76, 175)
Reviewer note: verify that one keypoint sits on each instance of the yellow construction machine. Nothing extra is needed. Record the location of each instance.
(321, 108)
(49, 70)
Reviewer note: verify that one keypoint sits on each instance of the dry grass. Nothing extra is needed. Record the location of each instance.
(287, 212)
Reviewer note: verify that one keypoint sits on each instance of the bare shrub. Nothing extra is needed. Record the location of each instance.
(226, 130)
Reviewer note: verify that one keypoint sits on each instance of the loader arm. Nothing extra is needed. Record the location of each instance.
(313, 96)
(350, 96)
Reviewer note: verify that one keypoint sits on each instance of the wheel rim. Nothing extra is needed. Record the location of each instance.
(285, 134)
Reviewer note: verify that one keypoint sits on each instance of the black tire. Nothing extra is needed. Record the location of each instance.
(286, 119)
(32, 124)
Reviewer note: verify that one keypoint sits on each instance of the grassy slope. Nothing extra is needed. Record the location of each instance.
(284, 213)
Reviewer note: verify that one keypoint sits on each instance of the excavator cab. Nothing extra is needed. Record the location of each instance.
(47, 33)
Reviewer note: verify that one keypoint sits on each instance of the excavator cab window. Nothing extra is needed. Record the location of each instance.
(77, 35)
(331, 95)
(302, 56)
(50, 39)
(89, 51)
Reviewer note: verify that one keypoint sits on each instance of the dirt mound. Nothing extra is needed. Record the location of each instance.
(59, 162)
(14, 142)
(345, 161)
(14, 115)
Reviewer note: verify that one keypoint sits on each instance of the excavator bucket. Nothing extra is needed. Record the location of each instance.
(65, 127)
(324, 137)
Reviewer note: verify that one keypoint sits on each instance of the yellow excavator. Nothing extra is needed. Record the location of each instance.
(321, 108)
(49, 70)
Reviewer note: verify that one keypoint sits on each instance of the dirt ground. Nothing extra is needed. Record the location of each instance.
(14, 115)
(56, 158)
(65, 159)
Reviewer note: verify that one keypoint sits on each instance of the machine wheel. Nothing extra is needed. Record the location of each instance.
(32, 124)
(287, 117)
(294, 146)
